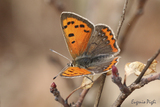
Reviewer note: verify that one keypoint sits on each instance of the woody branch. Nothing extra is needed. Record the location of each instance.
(140, 82)
(139, 12)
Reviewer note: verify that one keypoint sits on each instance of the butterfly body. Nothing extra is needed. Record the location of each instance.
(88, 61)
(93, 48)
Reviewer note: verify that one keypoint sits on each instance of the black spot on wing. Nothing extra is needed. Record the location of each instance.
(71, 35)
(76, 26)
(73, 42)
(64, 27)
(70, 71)
(72, 22)
(87, 31)
(108, 29)
(81, 25)
(68, 23)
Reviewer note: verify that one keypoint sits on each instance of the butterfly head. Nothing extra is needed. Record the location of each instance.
(79, 62)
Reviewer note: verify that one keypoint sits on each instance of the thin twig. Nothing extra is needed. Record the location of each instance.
(59, 5)
(103, 78)
(122, 20)
(132, 22)
(81, 97)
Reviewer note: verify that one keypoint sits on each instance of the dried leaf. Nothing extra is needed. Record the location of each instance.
(137, 67)
(109, 73)
(88, 81)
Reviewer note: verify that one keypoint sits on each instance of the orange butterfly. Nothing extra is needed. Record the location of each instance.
(93, 48)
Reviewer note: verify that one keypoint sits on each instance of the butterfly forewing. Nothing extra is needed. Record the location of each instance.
(77, 31)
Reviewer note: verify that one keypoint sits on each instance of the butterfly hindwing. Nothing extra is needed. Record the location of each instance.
(102, 41)
(77, 31)
(103, 66)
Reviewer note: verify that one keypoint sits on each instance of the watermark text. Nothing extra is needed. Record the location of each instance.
(142, 102)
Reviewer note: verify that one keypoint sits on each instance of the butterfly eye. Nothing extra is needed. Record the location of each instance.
(70, 64)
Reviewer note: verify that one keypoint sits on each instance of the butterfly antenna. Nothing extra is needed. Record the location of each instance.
(59, 72)
(60, 55)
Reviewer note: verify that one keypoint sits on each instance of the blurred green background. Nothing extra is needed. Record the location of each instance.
(29, 28)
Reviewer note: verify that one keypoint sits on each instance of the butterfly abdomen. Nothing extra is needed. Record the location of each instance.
(82, 62)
